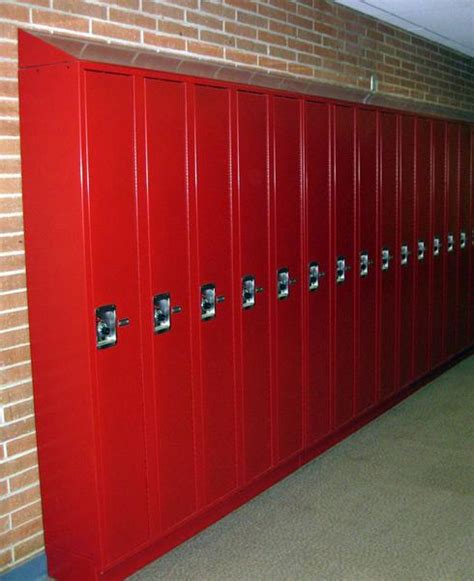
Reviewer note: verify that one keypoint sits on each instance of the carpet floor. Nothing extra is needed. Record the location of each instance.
(395, 501)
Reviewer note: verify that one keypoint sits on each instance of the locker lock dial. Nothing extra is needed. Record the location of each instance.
(106, 326)
(249, 290)
(341, 269)
(436, 246)
(364, 263)
(450, 243)
(404, 254)
(284, 281)
(462, 240)
(314, 274)
(421, 250)
(386, 258)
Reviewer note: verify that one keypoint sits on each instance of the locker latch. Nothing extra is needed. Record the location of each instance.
(364, 263)
(436, 246)
(450, 243)
(341, 269)
(404, 254)
(248, 292)
(386, 258)
(106, 326)
(314, 274)
(421, 250)
(284, 281)
(162, 311)
(462, 240)
(208, 301)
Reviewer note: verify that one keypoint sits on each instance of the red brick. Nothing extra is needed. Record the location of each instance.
(80, 7)
(240, 57)
(177, 29)
(205, 49)
(164, 41)
(162, 10)
(15, 355)
(132, 18)
(60, 20)
(113, 31)
(217, 38)
(26, 513)
(269, 63)
(203, 20)
(240, 30)
(24, 479)
(21, 409)
(11, 11)
(28, 547)
(271, 38)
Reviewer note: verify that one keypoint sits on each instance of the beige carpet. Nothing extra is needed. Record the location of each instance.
(395, 501)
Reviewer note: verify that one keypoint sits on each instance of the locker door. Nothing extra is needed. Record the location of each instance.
(344, 259)
(423, 236)
(288, 277)
(366, 271)
(170, 331)
(471, 247)
(389, 245)
(214, 211)
(438, 238)
(114, 281)
(255, 286)
(464, 236)
(318, 252)
(451, 243)
(406, 251)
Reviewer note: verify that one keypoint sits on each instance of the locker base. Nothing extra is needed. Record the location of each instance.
(70, 567)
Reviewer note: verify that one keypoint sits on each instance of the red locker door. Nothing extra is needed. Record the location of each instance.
(170, 333)
(438, 241)
(366, 276)
(345, 258)
(389, 246)
(288, 280)
(423, 256)
(254, 216)
(406, 251)
(463, 236)
(214, 211)
(451, 242)
(319, 268)
(115, 275)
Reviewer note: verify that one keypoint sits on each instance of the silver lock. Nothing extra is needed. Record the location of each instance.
(436, 246)
(450, 247)
(106, 326)
(404, 254)
(386, 258)
(162, 311)
(208, 301)
(248, 292)
(314, 276)
(283, 283)
(462, 239)
(421, 250)
(341, 269)
(364, 263)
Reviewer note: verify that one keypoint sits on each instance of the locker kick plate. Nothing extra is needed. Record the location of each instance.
(106, 326)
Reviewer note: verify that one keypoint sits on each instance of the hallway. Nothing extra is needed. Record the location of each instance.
(394, 501)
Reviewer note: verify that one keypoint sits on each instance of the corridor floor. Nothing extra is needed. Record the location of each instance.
(395, 501)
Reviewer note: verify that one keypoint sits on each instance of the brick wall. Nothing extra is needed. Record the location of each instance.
(309, 38)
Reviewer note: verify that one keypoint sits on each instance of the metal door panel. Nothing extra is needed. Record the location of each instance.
(344, 199)
(389, 240)
(169, 261)
(365, 391)
(254, 216)
(115, 276)
(214, 209)
(451, 258)
(407, 236)
(438, 231)
(318, 216)
(288, 200)
(423, 233)
(463, 230)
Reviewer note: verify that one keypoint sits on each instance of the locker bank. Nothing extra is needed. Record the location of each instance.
(224, 281)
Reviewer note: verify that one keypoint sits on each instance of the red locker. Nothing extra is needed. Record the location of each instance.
(167, 301)
(451, 241)
(423, 246)
(345, 263)
(215, 297)
(319, 280)
(256, 286)
(465, 200)
(406, 252)
(366, 384)
(112, 199)
(438, 242)
(288, 281)
(388, 246)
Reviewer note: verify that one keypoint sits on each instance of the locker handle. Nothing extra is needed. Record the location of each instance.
(220, 299)
(259, 289)
(292, 280)
(177, 309)
(124, 322)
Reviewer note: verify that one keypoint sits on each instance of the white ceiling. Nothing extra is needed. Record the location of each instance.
(449, 22)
